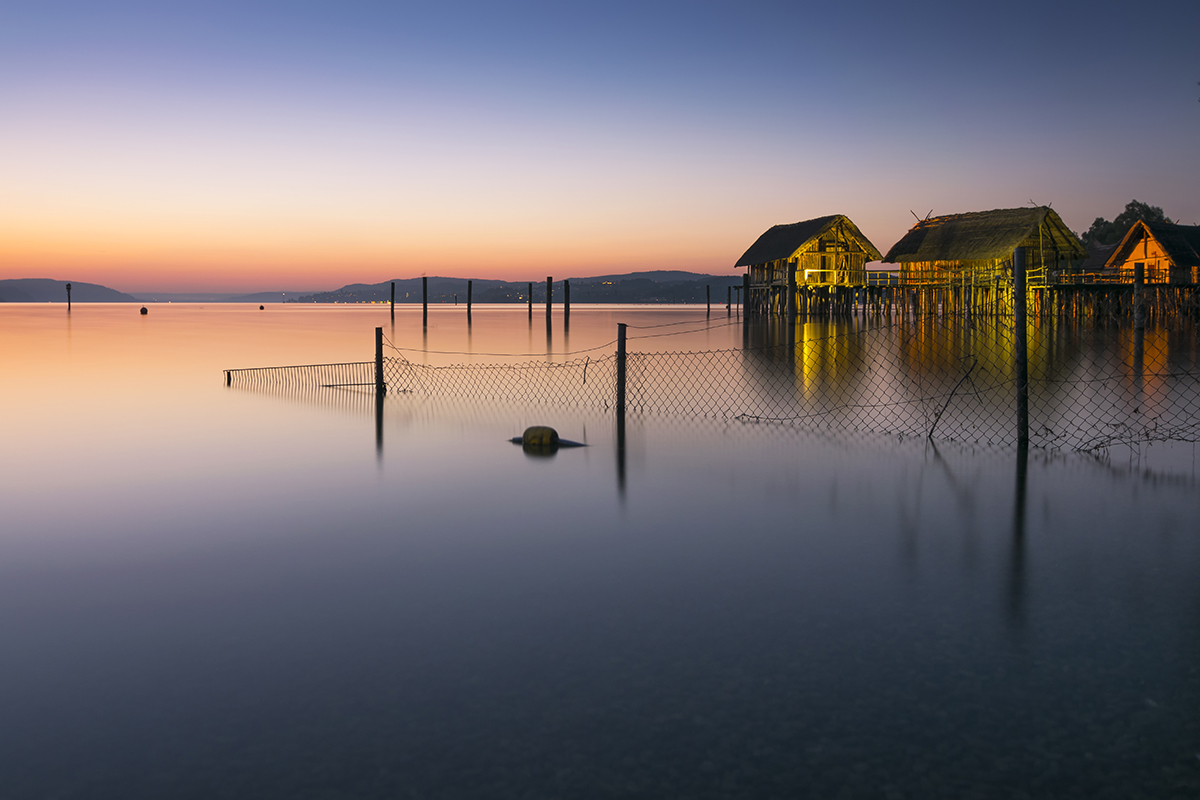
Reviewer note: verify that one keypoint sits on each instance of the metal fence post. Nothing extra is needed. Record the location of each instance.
(1021, 346)
(621, 369)
(380, 386)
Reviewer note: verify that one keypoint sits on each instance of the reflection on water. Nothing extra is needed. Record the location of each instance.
(208, 591)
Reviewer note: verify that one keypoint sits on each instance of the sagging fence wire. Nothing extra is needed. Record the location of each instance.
(1089, 388)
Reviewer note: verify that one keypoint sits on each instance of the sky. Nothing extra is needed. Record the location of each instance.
(253, 146)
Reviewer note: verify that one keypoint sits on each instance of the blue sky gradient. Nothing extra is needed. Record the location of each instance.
(241, 145)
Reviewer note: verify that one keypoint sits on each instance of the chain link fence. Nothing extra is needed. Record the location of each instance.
(949, 378)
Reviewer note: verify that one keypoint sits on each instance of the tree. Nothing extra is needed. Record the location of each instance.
(1105, 232)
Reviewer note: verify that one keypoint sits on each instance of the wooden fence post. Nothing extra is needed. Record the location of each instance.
(1021, 346)
(380, 386)
(621, 369)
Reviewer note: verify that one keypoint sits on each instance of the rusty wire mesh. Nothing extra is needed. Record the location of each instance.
(1090, 386)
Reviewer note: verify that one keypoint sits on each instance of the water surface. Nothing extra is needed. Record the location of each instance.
(208, 591)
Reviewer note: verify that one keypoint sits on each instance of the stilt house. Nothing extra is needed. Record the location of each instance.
(827, 251)
(1169, 253)
(976, 249)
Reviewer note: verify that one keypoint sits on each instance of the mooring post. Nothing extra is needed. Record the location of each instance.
(470, 290)
(566, 299)
(791, 290)
(747, 306)
(393, 301)
(228, 378)
(549, 295)
(68, 297)
(380, 386)
(424, 301)
(1021, 346)
(728, 300)
(1139, 295)
(707, 299)
(621, 370)
(529, 294)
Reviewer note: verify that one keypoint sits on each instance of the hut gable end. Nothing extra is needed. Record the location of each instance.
(783, 242)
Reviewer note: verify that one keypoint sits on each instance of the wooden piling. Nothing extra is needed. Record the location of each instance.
(470, 290)
(621, 370)
(549, 295)
(1021, 346)
(380, 386)
(393, 301)
(424, 301)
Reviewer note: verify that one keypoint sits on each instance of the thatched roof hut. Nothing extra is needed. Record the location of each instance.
(1170, 253)
(978, 246)
(826, 251)
(785, 242)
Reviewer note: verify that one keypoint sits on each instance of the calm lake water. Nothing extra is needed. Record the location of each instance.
(217, 592)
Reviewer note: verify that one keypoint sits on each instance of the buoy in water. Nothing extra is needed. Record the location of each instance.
(144, 311)
(540, 436)
(542, 440)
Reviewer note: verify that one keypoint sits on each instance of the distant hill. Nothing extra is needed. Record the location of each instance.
(46, 290)
(218, 297)
(660, 286)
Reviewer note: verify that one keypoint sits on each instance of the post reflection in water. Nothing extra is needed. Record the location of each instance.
(1016, 573)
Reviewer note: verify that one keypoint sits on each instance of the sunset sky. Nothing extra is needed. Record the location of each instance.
(305, 145)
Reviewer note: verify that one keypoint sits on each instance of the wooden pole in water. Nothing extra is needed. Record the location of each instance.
(68, 297)
(1139, 295)
(470, 289)
(566, 299)
(549, 295)
(791, 291)
(393, 301)
(529, 293)
(707, 299)
(425, 301)
(1021, 346)
(621, 369)
(380, 386)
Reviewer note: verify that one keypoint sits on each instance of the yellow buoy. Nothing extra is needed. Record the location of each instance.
(539, 436)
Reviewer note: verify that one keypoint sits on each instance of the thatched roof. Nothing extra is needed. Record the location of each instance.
(1181, 242)
(783, 241)
(982, 236)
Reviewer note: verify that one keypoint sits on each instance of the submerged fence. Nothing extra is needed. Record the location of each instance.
(1086, 387)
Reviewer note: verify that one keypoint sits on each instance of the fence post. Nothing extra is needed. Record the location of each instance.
(621, 369)
(791, 290)
(424, 301)
(1139, 295)
(1021, 346)
(380, 386)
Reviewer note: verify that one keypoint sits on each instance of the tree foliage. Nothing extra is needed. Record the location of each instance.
(1105, 232)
